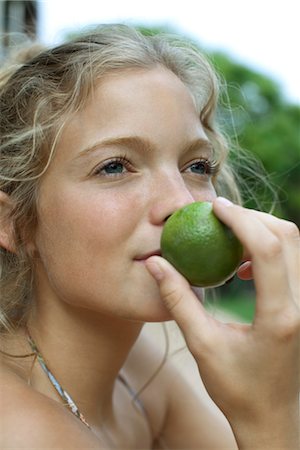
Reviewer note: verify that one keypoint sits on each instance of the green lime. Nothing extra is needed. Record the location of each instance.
(203, 249)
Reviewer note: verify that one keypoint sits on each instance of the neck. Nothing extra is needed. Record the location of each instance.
(85, 352)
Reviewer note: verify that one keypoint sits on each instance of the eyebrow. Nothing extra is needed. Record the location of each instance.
(142, 145)
(134, 142)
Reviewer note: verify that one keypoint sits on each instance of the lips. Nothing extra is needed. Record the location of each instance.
(147, 255)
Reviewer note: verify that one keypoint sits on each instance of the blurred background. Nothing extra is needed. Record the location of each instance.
(254, 45)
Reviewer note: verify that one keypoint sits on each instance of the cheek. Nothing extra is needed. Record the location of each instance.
(86, 252)
(83, 226)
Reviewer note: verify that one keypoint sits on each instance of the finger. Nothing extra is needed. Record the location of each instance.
(289, 235)
(283, 228)
(179, 299)
(265, 250)
(286, 231)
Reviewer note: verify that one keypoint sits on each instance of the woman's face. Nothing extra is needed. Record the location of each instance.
(129, 159)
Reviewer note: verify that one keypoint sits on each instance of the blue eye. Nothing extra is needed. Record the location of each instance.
(113, 167)
(203, 167)
(116, 166)
(199, 167)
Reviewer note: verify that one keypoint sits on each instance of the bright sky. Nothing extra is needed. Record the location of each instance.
(263, 34)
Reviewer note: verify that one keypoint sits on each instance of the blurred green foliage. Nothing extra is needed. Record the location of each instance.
(240, 305)
(267, 125)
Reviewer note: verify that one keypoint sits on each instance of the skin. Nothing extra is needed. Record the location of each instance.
(99, 224)
(96, 285)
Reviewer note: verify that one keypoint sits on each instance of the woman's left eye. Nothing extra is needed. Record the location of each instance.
(203, 167)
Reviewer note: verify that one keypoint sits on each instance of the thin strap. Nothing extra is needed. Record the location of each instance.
(133, 394)
(65, 396)
(62, 392)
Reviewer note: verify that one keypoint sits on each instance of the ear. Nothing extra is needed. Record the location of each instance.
(6, 226)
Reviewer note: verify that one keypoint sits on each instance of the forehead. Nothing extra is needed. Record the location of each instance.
(154, 104)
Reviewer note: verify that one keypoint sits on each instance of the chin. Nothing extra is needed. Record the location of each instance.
(151, 309)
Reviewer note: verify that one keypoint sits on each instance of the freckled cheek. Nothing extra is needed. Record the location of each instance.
(89, 224)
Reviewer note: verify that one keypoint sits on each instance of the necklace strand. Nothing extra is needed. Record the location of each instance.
(64, 395)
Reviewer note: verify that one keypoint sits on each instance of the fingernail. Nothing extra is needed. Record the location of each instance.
(155, 270)
(245, 265)
(224, 201)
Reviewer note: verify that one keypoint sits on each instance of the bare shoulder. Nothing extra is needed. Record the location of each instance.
(30, 420)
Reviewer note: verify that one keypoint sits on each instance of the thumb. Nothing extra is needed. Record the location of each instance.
(178, 298)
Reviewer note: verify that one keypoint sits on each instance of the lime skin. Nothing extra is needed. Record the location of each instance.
(202, 248)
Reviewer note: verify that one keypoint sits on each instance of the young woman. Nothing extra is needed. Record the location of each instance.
(103, 138)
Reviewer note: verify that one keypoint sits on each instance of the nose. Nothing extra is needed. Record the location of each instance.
(170, 194)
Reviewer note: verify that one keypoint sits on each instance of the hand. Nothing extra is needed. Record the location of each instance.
(250, 371)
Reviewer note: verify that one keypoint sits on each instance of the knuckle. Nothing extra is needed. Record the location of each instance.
(272, 249)
(172, 297)
(291, 230)
(289, 325)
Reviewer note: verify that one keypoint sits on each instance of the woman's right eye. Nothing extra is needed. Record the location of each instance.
(113, 167)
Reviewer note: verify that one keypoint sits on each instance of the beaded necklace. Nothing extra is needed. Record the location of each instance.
(67, 399)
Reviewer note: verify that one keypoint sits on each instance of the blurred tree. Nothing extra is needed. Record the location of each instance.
(267, 125)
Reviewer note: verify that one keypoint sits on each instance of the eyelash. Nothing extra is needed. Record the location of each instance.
(212, 167)
(118, 160)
